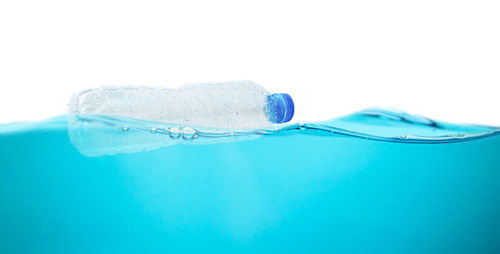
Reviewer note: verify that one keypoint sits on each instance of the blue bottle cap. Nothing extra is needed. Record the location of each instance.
(279, 107)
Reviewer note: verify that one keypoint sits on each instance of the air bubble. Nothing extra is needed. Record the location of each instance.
(125, 128)
(153, 130)
(189, 134)
(174, 132)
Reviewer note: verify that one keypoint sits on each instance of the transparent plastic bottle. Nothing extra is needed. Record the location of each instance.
(125, 119)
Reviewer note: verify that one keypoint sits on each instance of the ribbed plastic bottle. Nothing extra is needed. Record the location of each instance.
(235, 104)
(126, 119)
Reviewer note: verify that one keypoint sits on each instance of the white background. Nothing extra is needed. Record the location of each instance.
(439, 59)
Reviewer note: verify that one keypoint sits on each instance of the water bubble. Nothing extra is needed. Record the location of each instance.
(174, 132)
(403, 136)
(153, 130)
(461, 135)
(125, 128)
(189, 134)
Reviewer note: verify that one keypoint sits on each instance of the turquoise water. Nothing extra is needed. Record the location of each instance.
(372, 182)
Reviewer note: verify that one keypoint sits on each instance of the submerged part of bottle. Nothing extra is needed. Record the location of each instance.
(110, 120)
(232, 105)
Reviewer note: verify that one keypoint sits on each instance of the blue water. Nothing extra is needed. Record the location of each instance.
(372, 182)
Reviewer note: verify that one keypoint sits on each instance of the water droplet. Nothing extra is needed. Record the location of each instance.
(125, 128)
(403, 136)
(153, 130)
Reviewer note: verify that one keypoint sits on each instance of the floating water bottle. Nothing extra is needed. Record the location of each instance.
(95, 115)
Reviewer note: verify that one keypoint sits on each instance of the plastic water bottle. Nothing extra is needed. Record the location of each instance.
(125, 119)
(236, 104)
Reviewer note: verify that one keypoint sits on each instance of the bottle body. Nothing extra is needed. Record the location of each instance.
(126, 119)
